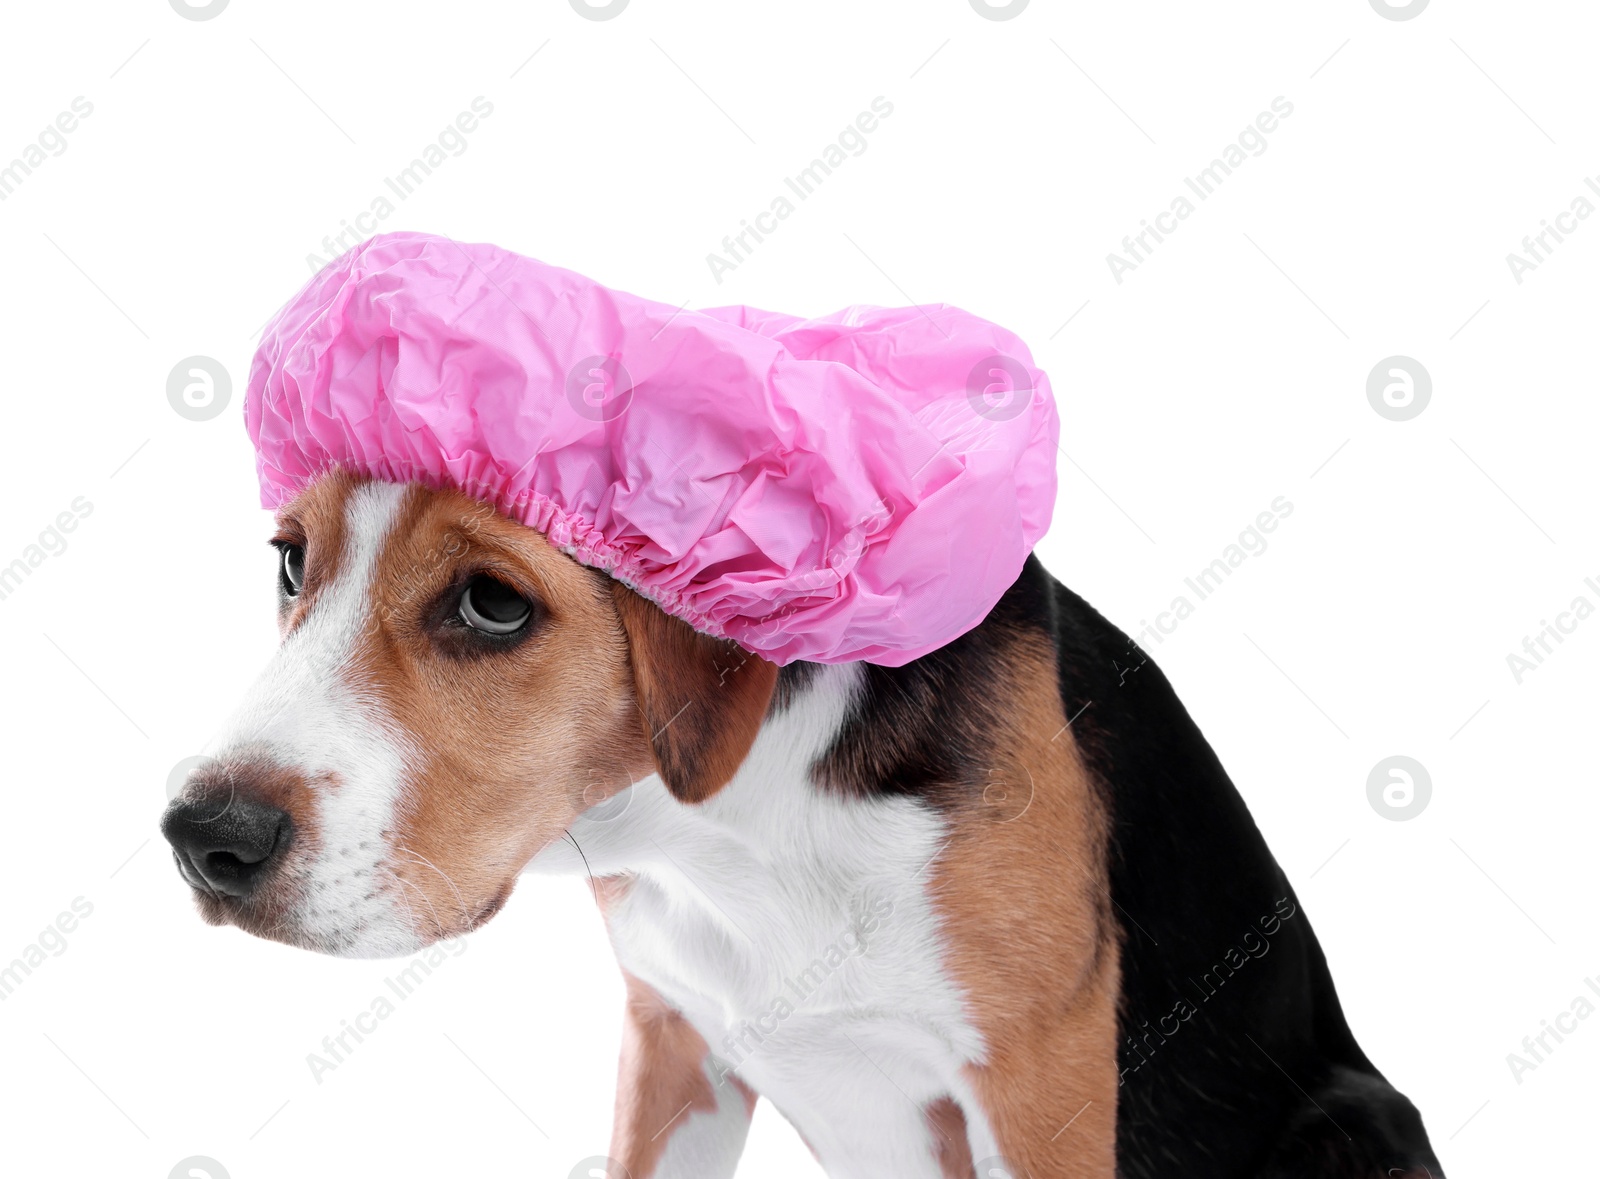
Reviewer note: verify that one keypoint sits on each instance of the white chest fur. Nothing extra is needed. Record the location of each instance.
(793, 929)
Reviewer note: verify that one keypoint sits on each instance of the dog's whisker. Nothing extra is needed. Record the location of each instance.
(594, 891)
(424, 859)
(438, 922)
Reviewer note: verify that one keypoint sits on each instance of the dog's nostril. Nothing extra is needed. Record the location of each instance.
(225, 846)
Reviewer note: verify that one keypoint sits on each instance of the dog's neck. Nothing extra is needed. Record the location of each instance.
(644, 830)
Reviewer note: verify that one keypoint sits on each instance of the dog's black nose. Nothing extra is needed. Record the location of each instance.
(226, 845)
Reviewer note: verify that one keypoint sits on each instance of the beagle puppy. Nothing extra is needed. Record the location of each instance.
(997, 912)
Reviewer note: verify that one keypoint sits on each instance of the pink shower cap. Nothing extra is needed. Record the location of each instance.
(863, 486)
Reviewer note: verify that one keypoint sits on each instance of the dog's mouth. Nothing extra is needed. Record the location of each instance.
(289, 907)
(372, 934)
(491, 907)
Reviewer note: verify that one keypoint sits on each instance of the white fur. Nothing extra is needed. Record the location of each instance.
(735, 897)
(307, 714)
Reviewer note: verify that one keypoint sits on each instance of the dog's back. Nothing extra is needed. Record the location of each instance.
(1235, 1056)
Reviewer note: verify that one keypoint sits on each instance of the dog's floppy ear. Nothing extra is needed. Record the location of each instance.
(702, 699)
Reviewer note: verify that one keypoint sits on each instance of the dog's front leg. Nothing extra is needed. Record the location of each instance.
(677, 1116)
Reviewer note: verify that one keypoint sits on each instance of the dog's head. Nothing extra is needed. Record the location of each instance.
(450, 693)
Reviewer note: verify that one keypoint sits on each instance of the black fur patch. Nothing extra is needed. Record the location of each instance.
(927, 729)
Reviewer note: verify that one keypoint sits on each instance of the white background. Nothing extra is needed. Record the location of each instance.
(1228, 369)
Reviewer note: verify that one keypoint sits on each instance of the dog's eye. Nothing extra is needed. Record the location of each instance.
(494, 607)
(292, 568)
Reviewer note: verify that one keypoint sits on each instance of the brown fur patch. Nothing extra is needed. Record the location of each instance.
(509, 742)
(949, 1128)
(661, 1080)
(1022, 890)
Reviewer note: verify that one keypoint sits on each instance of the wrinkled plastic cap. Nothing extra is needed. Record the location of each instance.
(863, 486)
